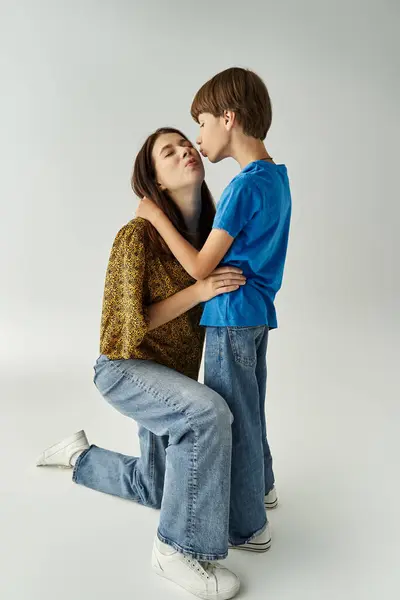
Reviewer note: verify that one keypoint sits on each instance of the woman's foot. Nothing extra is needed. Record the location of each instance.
(203, 579)
(65, 453)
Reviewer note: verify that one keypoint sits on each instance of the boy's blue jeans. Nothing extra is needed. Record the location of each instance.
(185, 434)
(236, 368)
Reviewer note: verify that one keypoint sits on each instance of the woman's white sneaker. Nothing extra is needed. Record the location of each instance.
(203, 579)
(271, 499)
(261, 543)
(62, 454)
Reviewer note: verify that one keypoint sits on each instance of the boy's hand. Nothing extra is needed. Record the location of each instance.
(222, 280)
(148, 210)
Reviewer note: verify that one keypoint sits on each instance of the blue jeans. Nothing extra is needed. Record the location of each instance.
(186, 447)
(236, 368)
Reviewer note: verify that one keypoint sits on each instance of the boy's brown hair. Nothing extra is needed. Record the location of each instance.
(241, 91)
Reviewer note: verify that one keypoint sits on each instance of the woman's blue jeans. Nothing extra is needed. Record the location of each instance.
(186, 447)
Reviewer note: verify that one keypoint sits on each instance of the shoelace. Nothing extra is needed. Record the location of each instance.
(203, 567)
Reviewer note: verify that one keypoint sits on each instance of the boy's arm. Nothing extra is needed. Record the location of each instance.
(199, 264)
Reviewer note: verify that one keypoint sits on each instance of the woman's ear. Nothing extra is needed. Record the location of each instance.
(162, 187)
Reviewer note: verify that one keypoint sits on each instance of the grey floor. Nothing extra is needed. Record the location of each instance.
(333, 418)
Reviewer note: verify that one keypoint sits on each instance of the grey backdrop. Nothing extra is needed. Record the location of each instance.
(82, 85)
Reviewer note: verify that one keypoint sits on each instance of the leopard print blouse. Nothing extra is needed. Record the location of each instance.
(136, 278)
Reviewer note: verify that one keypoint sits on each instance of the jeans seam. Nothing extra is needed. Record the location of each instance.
(193, 491)
(221, 357)
(152, 454)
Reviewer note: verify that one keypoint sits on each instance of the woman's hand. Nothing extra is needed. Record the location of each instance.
(148, 210)
(222, 280)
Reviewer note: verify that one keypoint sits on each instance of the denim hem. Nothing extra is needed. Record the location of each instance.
(75, 471)
(258, 532)
(196, 555)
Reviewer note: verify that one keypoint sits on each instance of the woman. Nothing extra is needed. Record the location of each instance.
(151, 347)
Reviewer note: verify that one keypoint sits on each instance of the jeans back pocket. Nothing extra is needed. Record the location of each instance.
(244, 345)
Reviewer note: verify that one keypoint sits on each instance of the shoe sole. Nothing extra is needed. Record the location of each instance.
(205, 596)
(271, 505)
(250, 547)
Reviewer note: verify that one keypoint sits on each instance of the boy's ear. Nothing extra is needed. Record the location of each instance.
(229, 119)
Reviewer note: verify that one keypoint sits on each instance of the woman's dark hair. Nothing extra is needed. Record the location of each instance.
(144, 183)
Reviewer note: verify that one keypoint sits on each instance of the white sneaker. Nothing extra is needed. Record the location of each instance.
(271, 499)
(60, 454)
(261, 543)
(203, 579)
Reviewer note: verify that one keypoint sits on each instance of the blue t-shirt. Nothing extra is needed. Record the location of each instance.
(255, 209)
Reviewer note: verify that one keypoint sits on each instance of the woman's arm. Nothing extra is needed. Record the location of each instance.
(199, 264)
(162, 312)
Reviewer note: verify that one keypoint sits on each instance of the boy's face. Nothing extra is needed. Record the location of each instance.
(213, 138)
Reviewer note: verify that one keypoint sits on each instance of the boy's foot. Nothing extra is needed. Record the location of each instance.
(64, 453)
(203, 579)
(271, 499)
(261, 543)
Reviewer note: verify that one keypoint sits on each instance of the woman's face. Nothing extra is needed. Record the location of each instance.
(177, 163)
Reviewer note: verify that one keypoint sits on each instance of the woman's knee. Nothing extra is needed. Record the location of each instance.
(215, 410)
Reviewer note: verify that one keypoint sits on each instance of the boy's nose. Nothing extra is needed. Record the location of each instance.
(198, 141)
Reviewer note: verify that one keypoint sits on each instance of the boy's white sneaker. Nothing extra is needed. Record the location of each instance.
(203, 579)
(60, 454)
(271, 499)
(261, 543)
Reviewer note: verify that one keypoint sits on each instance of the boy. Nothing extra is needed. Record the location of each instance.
(250, 231)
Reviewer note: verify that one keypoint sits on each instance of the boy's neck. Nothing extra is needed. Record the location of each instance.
(246, 150)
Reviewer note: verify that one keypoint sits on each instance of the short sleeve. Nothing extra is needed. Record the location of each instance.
(125, 321)
(238, 205)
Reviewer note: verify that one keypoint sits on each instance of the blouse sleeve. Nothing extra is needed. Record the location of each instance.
(125, 320)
